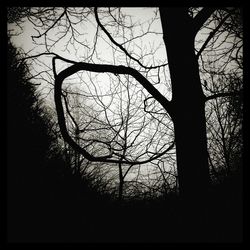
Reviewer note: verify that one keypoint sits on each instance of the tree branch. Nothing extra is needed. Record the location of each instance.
(59, 78)
(47, 30)
(211, 35)
(201, 18)
(56, 56)
(120, 46)
(68, 111)
(223, 95)
(104, 68)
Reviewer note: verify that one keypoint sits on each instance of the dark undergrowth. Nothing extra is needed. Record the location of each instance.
(66, 209)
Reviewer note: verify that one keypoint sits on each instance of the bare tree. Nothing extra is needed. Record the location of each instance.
(222, 72)
(116, 120)
(138, 135)
(224, 127)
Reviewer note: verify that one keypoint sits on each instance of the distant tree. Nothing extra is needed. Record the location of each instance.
(224, 127)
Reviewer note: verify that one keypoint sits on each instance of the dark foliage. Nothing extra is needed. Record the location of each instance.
(43, 195)
(28, 142)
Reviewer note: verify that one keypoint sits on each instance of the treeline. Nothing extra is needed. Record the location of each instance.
(46, 201)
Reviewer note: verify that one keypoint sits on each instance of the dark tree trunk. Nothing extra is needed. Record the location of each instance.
(120, 196)
(188, 103)
(121, 178)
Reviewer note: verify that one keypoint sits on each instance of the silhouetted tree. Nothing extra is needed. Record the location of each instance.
(180, 27)
(224, 126)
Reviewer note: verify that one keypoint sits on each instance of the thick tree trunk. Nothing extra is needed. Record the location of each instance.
(188, 103)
